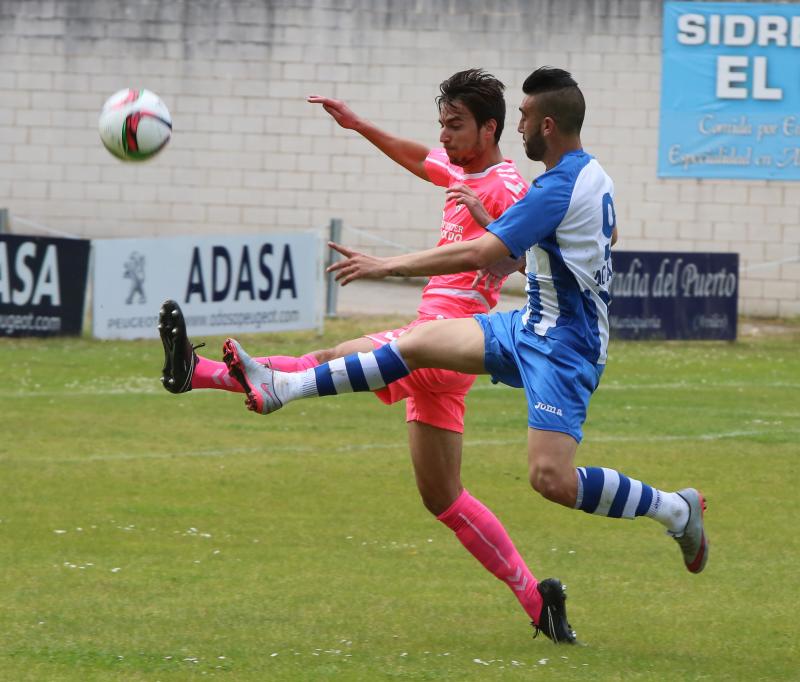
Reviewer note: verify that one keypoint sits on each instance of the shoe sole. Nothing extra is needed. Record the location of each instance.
(170, 318)
(234, 363)
(700, 560)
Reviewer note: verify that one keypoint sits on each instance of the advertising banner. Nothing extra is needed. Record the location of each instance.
(659, 295)
(730, 91)
(42, 285)
(224, 284)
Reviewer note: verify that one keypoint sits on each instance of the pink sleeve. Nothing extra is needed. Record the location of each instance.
(437, 166)
(503, 197)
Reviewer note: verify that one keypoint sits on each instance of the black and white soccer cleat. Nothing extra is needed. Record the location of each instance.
(553, 619)
(179, 356)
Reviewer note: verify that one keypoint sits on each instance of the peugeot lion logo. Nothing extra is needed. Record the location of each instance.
(134, 271)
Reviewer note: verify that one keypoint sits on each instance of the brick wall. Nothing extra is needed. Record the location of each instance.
(248, 154)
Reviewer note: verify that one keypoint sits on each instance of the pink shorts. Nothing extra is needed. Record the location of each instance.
(433, 396)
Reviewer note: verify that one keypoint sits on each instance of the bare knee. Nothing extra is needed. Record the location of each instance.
(436, 456)
(438, 489)
(437, 502)
(554, 483)
(360, 345)
(325, 355)
(433, 504)
(551, 468)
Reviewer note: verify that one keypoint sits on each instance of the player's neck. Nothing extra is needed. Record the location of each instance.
(491, 157)
(558, 148)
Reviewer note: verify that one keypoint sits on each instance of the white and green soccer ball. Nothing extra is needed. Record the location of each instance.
(135, 125)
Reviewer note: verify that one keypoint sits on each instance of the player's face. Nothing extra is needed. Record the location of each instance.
(530, 125)
(460, 135)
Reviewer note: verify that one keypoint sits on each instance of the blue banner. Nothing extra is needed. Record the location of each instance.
(659, 295)
(730, 91)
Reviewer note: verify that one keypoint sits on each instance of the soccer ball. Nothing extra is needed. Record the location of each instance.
(135, 124)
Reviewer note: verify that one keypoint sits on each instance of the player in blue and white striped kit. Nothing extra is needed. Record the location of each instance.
(555, 348)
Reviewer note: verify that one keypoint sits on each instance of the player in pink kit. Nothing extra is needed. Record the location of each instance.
(479, 181)
(436, 397)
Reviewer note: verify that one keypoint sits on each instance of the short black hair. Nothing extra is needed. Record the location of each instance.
(563, 100)
(480, 92)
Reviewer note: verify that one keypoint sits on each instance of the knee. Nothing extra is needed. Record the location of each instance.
(325, 355)
(437, 499)
(433, 505)
(552, 482)
(436, 503)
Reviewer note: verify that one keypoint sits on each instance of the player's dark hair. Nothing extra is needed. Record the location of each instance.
(480, 92)
(558, 96)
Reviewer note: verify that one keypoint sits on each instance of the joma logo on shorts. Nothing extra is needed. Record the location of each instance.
(549, 408)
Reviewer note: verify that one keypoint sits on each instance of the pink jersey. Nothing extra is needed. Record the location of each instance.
(498, 187)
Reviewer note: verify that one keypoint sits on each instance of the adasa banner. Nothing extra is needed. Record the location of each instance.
(730, 91)
(224, 284)
(42, 285)
(660, 295)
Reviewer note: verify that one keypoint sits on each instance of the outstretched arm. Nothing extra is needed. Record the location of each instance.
(409, 154)
(441, 260)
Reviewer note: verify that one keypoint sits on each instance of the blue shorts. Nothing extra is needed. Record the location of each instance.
(558, 381)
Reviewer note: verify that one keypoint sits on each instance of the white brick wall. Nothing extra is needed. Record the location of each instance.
(248, 154)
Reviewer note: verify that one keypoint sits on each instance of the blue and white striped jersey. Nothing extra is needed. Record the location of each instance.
(564, 223)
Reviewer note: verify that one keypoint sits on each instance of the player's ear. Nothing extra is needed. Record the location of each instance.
(489, 128)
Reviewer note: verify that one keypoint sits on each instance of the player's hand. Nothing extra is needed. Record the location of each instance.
(466, 196)
(494, 276)
(340, 112)
(486, 280)
(356, 265)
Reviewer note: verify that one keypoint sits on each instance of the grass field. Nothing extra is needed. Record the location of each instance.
(145, 536)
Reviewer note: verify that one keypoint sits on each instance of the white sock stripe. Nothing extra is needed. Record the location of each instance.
(371, 372)
(579, 497)
(483, 537)
(634, 495)
(398, 354)
(339, 376)
(610, 486)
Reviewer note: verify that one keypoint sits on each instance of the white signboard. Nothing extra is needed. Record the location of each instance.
(224, 284)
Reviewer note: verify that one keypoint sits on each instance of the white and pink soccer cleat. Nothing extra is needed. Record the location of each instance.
(693, 540)
(257, 380)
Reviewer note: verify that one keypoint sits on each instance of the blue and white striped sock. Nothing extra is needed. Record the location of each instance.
(352, 373)
(607, 492)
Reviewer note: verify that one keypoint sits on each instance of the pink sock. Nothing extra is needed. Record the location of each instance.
(289, 363)
(485, 538)
(211, 374)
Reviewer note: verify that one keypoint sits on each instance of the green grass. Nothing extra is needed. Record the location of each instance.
(145, 536)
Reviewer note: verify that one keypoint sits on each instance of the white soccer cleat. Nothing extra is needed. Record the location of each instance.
(257, 380)
(693, 541)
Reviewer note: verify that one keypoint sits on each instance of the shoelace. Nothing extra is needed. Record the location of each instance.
(551, 624)
(193, 362)
(538, 628)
